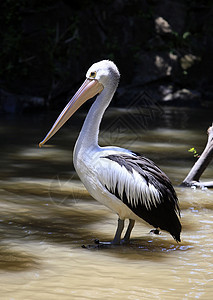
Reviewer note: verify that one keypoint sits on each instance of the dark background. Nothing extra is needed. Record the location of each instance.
(161, 47)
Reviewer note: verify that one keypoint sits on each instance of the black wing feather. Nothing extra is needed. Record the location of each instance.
(163, 215)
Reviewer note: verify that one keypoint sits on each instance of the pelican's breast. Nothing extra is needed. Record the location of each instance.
(93, 169)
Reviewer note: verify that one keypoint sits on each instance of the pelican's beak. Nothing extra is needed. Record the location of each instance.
(89, 89)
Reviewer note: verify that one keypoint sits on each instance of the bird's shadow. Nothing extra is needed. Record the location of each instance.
(70, 225)
(13, 260)
(149, 248)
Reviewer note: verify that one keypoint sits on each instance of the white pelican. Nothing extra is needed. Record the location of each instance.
(130, 185)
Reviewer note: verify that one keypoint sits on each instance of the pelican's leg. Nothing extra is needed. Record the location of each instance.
(117, 238)
(128, 231)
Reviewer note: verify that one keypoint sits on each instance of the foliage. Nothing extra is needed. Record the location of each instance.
(194, 151)
(44, 44)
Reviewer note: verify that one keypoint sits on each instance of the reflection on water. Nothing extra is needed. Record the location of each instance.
(46, 215)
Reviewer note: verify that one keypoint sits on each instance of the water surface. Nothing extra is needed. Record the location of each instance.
(47, 215)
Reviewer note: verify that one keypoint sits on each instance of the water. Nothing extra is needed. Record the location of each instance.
(47, 215)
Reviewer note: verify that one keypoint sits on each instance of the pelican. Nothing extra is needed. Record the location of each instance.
(131, 185)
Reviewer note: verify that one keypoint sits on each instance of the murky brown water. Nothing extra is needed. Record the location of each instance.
(46, 215)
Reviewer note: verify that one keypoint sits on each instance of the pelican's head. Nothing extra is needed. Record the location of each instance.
(99, 76)
(105, 72)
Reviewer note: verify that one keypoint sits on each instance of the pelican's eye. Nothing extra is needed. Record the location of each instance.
(92, 75)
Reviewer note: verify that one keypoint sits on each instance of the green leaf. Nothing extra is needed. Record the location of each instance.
(186, 34)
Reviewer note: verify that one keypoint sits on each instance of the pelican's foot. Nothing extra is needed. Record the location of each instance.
(97, 242)
(125, 241)
(100, 245)
(155, 231)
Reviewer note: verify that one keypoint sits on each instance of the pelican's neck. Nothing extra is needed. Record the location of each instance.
(88, 137)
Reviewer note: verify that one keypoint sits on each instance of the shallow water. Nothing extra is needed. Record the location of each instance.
(47, 215)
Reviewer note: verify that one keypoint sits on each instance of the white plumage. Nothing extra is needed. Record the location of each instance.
(130, 185)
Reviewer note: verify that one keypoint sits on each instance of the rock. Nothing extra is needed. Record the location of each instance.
(172, 14)
(188, 60)
(162, 26)
(182, 94)
(154, 66)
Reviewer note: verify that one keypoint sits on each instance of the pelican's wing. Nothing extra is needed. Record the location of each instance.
(144, 188)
